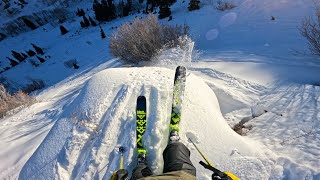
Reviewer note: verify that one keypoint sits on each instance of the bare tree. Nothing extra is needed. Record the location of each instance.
(310, 29)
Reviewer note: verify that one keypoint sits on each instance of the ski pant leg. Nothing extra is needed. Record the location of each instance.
(176, 157)
(141, 171)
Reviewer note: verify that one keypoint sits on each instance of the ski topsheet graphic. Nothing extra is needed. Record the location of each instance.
(141, 122)
(177, 98)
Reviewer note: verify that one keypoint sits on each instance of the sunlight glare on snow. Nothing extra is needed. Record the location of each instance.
(212, 34)
(228, 19)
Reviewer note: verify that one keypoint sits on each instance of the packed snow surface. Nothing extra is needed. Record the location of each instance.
(102, 117)
(247, 70)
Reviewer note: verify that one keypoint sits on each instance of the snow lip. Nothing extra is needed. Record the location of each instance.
(106, 106)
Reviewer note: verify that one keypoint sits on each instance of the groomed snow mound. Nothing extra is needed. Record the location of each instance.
(83, 145)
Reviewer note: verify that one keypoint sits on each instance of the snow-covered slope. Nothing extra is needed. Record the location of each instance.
(243, 60)
(102, 117)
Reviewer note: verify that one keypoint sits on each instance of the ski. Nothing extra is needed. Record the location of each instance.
(141, 122)
(177, 98)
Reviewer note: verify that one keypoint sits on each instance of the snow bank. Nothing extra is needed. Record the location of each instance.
(102, 117)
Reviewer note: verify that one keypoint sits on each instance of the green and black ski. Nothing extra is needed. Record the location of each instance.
(177, 98)
(141, 122)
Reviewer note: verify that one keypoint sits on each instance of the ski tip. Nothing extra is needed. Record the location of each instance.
(141, 97)
(181, 68)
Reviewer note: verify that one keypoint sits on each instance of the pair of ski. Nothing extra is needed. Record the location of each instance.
(141, 113)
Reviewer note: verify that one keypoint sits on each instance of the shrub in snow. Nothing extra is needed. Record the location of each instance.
(310, 29)
(194, 5)
(144, 38)
(73, 63)
(9, 102)
(33, 86)
(63, 30)
(224, 5)
(34, 63)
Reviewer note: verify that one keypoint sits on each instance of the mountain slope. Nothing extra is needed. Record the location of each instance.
(242, 56)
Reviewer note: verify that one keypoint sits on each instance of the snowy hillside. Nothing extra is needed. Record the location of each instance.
(103, 118)
(244, 71)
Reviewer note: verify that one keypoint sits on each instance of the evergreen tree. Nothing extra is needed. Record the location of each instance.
(86, 21)
(172, 2)
(31, 53)
(125, 9)
(63, 30)
(80, 12)
(103, 35)
(18, 56)
(193, 5)
(147, 7)
(164, 9)
(82, 24)
(30, 24)
(98, 10)
(12, 62)
(105, 10)
(93, 23)
(38, 49)
(112, 10)
(153, 4)
(41, 59)
(129, 5)
(24, 55)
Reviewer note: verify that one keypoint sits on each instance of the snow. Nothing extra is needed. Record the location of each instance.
(107, 104)
(239, 64)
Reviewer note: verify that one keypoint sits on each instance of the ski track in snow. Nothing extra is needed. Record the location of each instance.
(245, 35)
(298, 126)
(233, 93)
(31, 124)
(294, 135)
(90, 147)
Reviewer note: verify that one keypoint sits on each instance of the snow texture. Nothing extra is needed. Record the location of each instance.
(102, 118)
(245, 64)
